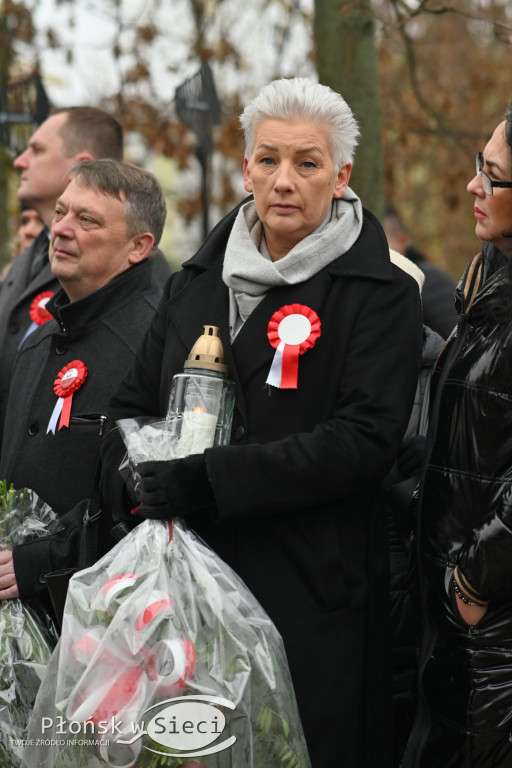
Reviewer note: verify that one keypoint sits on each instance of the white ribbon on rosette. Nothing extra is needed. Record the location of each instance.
(69, 379)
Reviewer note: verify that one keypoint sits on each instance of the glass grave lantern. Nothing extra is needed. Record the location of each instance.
(202, 398)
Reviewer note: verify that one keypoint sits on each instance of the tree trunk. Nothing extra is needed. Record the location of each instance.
(346, 60)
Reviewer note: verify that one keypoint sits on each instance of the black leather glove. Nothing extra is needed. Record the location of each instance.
(167, 489)
(412, 453)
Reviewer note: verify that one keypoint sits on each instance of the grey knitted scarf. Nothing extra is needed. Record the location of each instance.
(249, 272)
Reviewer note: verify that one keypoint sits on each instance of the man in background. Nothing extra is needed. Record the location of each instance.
(438, 289)
(68, 136)
(107, 224)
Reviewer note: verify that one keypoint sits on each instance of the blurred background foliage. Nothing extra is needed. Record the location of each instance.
(428, 81)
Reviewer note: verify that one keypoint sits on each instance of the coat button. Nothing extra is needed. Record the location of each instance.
(33, 429)
(240, 433)
(60, 350)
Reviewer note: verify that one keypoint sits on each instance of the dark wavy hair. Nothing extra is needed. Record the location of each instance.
(496, 309)
(508, 135)
(508, 128)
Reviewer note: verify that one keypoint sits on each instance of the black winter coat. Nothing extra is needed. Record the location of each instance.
(104, 331)
(298, 492)
(29, 276)
(465, 521)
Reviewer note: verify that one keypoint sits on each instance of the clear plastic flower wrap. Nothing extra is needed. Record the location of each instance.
(148, 439)
(27, 637)
(166, 659)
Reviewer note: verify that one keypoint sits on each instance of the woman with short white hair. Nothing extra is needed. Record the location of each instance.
(302, 99)
(294, 503)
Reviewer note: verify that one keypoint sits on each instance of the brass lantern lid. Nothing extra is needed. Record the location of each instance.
(208, 352)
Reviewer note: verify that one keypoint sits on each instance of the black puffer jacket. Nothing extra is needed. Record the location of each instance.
(465, 523)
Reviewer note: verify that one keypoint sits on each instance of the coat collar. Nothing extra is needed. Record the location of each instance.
(368, 257)
(75, 316)
(44, 281)
(205, 300)
(39, 274)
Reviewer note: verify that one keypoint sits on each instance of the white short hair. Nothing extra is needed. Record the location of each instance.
(301, 99)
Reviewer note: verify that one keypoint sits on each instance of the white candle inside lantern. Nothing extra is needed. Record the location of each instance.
(197, 431)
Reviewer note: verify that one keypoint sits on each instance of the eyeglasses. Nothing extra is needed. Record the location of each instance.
(487, 182)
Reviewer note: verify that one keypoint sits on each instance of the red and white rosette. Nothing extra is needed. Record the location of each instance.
(39, 315)
(38, 312)
(292, 330)
(69, 379)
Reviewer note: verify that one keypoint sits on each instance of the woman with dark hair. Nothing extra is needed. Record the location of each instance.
(464, 531)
